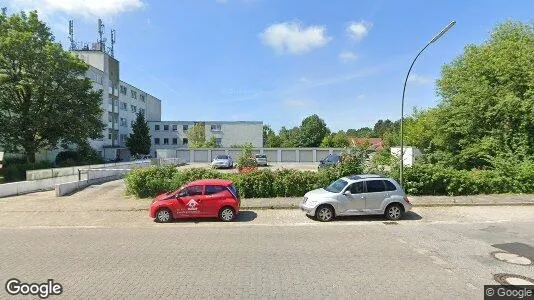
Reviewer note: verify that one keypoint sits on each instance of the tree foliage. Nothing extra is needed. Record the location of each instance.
(197, 135)
(139, 141)
(45, 99)
(312, 132)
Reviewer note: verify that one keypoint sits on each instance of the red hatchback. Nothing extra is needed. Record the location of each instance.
(198, 199)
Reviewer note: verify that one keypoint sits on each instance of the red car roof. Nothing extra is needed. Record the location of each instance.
(222, 182)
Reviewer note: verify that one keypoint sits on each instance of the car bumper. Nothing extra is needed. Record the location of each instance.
(407, 206)
(309, 210)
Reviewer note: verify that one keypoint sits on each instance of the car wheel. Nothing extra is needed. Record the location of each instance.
(227, 214)
(163, 216)
(325, 213)
(394, 212)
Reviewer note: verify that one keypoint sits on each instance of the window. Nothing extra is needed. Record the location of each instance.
(132, 123)
(142, 111)
(166, 127)
(142, 97)
(222, 157)
(134, 94)
(156, 127)
(174, 127)
(134, 108)
(214, 189)
(175, 141)
(390, 186)
(123, 89)
(216, 127)
(375, 186)
(336, 186)
(194, 190)
(357, 188)
(165, 141)
(185, 127)
(218, 141)
(185, 141)
(124, 122)
(156, 141)
(124, 106)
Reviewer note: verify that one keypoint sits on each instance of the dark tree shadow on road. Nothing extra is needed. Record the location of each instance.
(243, 216)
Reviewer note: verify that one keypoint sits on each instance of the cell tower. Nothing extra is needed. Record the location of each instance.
(113, 42)
(71, 35)
(101, 38)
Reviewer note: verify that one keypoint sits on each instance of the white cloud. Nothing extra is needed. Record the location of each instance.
(347, 56)
(304, 79)
(85, 8)
(359, 30)
(293, 38)
(420, 79)
(221, 1)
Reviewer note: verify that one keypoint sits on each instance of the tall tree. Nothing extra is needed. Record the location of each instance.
(270, 139)
(45, 99)
(337, 140)
(289, 138)
(139, 141)
(197, 135)
(487, 107)
(362, 132)
(312, 132)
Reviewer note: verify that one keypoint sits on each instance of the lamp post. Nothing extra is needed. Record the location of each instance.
(440, 34)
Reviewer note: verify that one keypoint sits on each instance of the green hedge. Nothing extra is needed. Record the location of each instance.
(428, 179)
(422, 179)
(148, 182)
(14, 169)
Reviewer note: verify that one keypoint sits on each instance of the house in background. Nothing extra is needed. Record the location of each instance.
(375, 144)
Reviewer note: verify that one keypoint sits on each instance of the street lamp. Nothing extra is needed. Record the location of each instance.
(440, 34)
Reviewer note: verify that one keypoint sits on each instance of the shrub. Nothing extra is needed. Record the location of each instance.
(14, 169)
(84, 155)
(246, 159)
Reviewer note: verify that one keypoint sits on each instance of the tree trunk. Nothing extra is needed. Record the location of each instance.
(30, 156)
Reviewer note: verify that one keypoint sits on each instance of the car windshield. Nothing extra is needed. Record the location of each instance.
(336, 186)
(261, 156)
(222, 157)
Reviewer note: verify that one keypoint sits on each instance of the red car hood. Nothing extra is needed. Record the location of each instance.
(162, 197)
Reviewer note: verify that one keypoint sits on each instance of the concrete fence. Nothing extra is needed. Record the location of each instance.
(71, 176)
(279, 155)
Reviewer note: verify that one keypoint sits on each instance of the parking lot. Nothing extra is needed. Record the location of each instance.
(100, 244)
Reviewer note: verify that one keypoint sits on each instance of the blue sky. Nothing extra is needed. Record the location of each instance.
(278, 61)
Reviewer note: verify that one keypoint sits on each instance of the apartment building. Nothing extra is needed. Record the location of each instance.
(121, 101)
(174, 134)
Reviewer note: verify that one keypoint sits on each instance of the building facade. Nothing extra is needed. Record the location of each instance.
(120, 101)
(174, 134)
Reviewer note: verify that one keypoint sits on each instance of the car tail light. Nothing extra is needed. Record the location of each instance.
(406, 199)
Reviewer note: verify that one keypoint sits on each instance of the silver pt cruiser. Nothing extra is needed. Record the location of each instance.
(357, 195)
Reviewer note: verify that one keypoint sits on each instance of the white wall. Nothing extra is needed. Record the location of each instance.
(410, 154)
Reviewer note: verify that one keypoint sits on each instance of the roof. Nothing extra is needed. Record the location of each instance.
(375, 143)
(364, 176)
(223, 182)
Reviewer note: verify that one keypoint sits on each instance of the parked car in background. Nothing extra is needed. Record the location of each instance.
(222, 161)
(261, 159)
(198, 199)
(357, 195)
(330, 160)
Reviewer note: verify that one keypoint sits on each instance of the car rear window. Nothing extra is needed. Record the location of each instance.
(222, 157)
(390, 186)
(261, 156)
(214, 189)
(375, 186)
(234, 191)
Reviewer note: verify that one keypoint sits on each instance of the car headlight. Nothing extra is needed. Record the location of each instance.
(305, 199)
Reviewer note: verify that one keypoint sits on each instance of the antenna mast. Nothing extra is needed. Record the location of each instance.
(71, 35)
(112, 42)
(101, 40)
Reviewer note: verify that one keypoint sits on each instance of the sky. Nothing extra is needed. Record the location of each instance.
(278, 61)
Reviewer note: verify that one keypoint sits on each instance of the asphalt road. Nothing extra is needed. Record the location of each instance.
(435, 253)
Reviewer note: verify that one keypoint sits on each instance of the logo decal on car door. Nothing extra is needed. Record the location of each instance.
(192, 205)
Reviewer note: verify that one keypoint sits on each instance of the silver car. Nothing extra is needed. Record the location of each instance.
(222, 161)
(261, 159)
(357, 195)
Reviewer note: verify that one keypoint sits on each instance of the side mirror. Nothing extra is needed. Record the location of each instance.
(347, 193)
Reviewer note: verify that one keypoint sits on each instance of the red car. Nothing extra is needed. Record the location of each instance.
(197, 199)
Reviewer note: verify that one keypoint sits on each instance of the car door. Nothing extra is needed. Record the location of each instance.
(355, 200)
(190, 201)
(375, 195)
(213, 196)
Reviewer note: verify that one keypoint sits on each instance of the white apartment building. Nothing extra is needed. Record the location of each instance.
(174, 134)
(120, 101)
